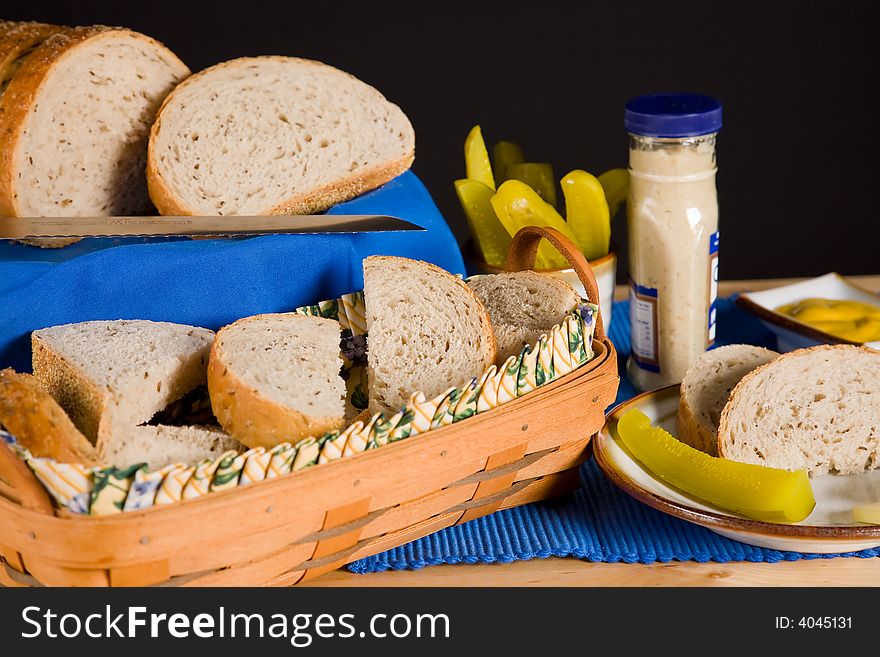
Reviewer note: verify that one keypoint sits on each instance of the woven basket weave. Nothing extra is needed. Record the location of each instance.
(285, 530)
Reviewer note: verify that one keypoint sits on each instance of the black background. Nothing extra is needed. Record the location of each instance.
(797, 155)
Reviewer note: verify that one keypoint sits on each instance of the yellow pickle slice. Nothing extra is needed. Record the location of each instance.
(754, 491)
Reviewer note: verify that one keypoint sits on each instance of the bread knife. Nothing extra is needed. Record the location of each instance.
(17, 228)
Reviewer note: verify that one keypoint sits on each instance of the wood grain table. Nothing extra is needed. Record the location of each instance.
(573, 572)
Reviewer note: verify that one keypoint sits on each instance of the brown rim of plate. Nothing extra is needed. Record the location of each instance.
(786, 322)
(711, 518)
(470, 254)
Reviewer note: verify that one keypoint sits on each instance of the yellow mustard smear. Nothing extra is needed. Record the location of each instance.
(850, 320)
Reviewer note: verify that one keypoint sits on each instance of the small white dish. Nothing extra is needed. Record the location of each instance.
(792, 334)
(828, 529)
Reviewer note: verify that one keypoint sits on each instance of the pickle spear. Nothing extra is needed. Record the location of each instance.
(615, 182)
(517, 205)
(504, 155)
(490, 236)
(753, 491)
(538, 176)
(476, 158)
(586, 211)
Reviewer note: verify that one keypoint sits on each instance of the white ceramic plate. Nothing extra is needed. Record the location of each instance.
(790, 333)
(828, 529)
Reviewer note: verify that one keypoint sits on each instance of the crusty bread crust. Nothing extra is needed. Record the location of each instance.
(344, 189)
(247, 415)
(23, 91)
(36, 420)
(16, 41)
(724, 425)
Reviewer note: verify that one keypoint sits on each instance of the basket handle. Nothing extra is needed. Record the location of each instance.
(524, 250)
(17, 481)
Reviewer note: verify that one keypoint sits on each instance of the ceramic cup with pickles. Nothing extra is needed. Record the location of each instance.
(501, 196)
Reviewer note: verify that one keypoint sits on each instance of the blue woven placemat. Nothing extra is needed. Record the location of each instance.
(598, 522)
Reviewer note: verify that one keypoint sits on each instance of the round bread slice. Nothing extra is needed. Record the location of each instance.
(706, 388)
(426, 331)
(522, 306)
(38, 423)
(816, 408)
(275, 378)
(273, 135)
(75, 120)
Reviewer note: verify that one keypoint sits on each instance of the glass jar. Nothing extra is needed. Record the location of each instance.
(672, 217)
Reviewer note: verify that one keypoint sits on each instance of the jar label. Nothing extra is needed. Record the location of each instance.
(713, 287)
(643, 326)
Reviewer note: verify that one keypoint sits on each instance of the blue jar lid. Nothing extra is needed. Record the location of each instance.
(672, 115)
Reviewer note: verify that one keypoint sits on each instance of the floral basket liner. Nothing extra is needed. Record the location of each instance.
(108, 490)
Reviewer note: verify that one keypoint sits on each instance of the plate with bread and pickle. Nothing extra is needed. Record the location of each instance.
(778, 451)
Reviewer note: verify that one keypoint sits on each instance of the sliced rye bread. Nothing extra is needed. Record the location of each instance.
(19, 41)
(161, 445)
(273, 135)
(87, 97)
(110, 376)
(523, 305)
(706, 388)
(38, 423)
(426, 331)
(275, 378)
(816, 408)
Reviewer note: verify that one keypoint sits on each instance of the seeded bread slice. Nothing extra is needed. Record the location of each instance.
(275, 378)
(523, 305)
(273, 135)
(426, 330)
(17, 42)
(815, 408)
(706, 388)
(87, 97)
(38, 423)
(157, 446)
(113, 375)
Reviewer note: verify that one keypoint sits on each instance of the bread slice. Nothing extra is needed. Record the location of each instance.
(815, 408)
(113, 375)
(426, 330)
(275, 378)
(17, 42)
(160, 445)
(706, 388)
(273, 135)
(87, 97)
(523, 305)
(38, 423)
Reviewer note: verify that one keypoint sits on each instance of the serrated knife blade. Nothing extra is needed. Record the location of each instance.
(17, 228)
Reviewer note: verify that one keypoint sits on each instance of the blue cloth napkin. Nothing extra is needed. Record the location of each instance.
(207, 282)
(598, 522)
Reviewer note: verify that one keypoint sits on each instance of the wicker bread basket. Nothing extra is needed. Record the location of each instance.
(285, 530)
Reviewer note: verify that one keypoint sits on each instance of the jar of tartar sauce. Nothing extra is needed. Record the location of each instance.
(672, 217)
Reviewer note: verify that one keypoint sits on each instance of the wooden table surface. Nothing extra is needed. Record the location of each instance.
(573, 572)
